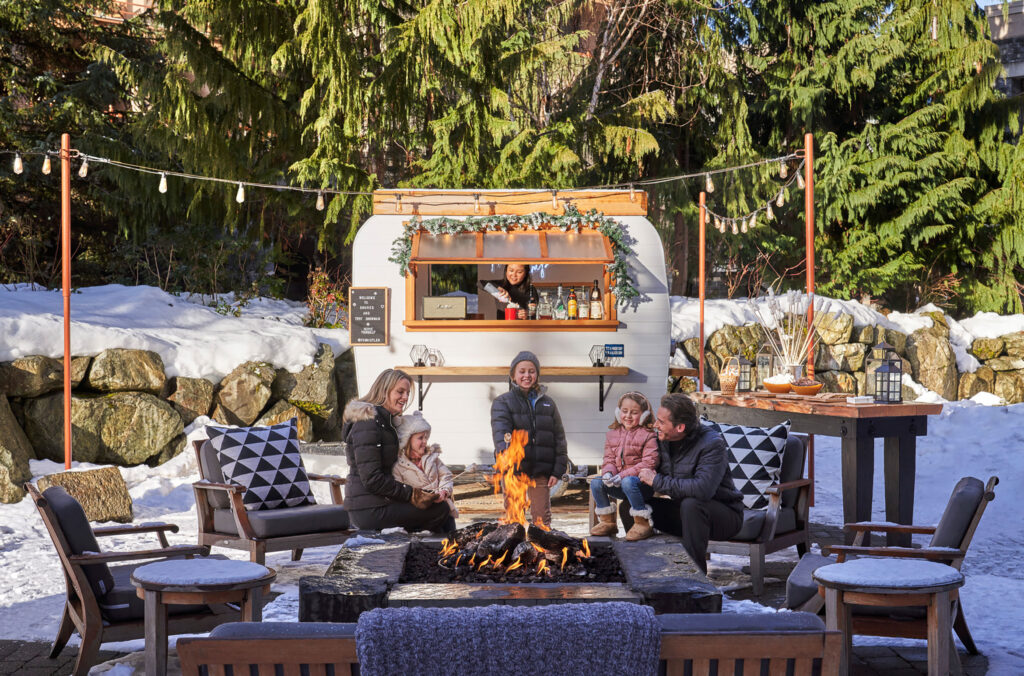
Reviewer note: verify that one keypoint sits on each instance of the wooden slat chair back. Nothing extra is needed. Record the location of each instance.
(216, 498)
(89, 580)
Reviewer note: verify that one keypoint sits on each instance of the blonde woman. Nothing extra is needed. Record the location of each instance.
(373, 498)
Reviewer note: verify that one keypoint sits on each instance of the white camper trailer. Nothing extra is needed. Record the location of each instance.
(469, 352)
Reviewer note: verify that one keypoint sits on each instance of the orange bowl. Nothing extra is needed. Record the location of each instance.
(807, 389)
(777, 388)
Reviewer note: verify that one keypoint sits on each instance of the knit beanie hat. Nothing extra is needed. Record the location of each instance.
(525, 355)
(411, 423)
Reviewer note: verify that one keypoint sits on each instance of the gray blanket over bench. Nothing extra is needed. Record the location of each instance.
(584, 639)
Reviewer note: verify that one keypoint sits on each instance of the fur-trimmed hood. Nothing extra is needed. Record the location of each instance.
(357, 410)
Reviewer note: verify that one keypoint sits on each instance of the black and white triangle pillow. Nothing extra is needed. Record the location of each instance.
(266, 461)
(755, 458)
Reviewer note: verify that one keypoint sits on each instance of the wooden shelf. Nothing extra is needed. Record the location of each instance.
(682, 372)
(475, 325)
(502, 371)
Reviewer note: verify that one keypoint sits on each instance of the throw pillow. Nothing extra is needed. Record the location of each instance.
(755, 458)
(266, 461)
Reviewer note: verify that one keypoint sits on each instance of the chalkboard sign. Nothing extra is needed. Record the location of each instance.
(368, 316)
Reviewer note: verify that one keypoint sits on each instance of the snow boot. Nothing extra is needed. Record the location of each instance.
(607, 525)
(641, 529)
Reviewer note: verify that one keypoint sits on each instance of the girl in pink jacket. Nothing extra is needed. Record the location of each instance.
(630, 445)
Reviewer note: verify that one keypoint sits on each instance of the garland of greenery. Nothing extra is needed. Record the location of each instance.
(622, 283)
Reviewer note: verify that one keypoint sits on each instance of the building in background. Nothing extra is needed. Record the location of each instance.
(1008, 33)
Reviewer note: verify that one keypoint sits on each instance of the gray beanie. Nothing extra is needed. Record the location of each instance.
(525, 355)
(410, 424)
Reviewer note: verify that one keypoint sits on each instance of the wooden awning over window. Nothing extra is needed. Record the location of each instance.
(525, 247)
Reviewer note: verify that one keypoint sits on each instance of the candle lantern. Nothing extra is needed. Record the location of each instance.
(418, 354)
(888, 379)
(765, 361)
(597, 355)
(434, 357)
(881, 351)
(746, 380)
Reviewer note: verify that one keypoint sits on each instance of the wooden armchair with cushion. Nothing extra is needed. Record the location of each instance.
(950, 540)
(225, 521)
(783, 523)
(102, 605)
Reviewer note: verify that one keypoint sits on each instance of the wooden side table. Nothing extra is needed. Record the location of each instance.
(894, 583)
(195, 581)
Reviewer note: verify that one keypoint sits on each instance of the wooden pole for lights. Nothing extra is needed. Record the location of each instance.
(809, 236)
(65, 248)
(702, 220)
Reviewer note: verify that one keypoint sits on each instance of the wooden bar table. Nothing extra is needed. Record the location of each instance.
(857, 425)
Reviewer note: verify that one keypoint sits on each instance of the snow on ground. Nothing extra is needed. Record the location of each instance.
(968, 438)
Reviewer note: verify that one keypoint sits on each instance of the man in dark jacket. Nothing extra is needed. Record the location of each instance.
(527, 407)
(703, 503)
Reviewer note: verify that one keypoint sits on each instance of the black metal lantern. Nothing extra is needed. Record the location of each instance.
(745, 382)
(888, 379)
(882, 351)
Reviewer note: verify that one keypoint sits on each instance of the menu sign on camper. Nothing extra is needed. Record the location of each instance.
(368, 316)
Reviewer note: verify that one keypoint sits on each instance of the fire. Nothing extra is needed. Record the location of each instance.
(498, 562)
(507, 475)
(448, 547)
(586, 548)
(486, 561)
(517, 564)
(543, 566)
(539, 523)
(565, 557)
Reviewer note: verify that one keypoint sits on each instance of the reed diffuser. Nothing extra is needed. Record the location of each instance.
(784, 318)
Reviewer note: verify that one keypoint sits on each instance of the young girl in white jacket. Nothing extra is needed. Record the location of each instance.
(419, 465)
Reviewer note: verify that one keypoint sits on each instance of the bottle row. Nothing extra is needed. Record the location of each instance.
(562, 306)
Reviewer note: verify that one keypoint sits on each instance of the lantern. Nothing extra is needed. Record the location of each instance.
(881, 351)
(765, 364)
(434, 357)
(418, 354)
(597, 355)
(745, 383)
(888, 379)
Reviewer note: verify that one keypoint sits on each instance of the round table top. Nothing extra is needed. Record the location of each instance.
(889, 575)
(201, 572)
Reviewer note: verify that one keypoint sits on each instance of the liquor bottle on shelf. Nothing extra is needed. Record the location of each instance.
(596, 303)
(561, 312)
(544, 310)
(531, 307)
(584, 306)
(573, 306)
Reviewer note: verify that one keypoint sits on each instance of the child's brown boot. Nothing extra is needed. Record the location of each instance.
(641, 529)
(606, 525)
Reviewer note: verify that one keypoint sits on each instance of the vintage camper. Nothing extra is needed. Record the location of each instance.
(459, 352)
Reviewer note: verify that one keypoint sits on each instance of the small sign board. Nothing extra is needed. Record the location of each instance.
(614, 350)
(368, 312)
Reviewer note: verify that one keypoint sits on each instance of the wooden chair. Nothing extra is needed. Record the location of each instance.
(783, 523)
(269, 648)
(951, 538)
(224, 521)
(102, 605)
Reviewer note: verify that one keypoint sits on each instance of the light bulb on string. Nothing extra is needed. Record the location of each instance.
(240, 195)
(398, 203)
(476, 203)
(779, 201)
(83, 170)
(753, 221)
(632, 193)
(935, 28)
(163, 183)
(783, 169)
(709, 185)
(800, 180)
(770, 213)
(743, 226)
(19, 166)
(735, 228)
(554, 199)
(320, 200)
(46, 165)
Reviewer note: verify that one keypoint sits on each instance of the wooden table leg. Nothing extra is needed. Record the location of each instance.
(858, 473)
(900, 460)
(156, 634)
(939, 634)
(837, 618)
(252, 606)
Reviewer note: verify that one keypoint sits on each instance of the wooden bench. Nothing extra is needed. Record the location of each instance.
(760, 641)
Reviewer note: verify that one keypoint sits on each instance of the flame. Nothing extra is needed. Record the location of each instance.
(486, 561)
(539, 523)
(498, 562)
(565, 557)
(472, 559)
(507, 475)
(457, 561)
(586, 547)
(543, 566)
(448, 547)
(537, 547)
(515, 564)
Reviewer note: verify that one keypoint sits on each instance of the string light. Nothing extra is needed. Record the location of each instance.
(743, 227)
(476, 203)
(320, 201)
(770, 213)
(935, 28)
(779, 201)
(632, 193)
(163, 183)
(46, 165)
(800, 180)
(783, 169)
(83, 171)
(398, 203)
(753, 220)
(554, 199)
(735, 228)
(19, 166)
(240, 195)
(709, 186)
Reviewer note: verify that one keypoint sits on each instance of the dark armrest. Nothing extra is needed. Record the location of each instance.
(332, 478)
(872, 526)
(209, 485)
(941, 555)
(796, 483)
(111, 557)
(136, 528)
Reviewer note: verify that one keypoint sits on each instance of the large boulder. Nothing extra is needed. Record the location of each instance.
(726, 342)
(940, 326)
(36, 375)
(1005, 364)
(243, 393)
(837, 381)
(982, 380)
(1014, 343)
(123, 370)
(283, 411)
(835, 328)
(102, 492)
(345, 378)
(190, 397)
(841, 357)
(691, 347)
(1010, 386)
(314, 391)
(171, 450)
(123, 428)
(987, 348)
(897, 339)
(863, 334)
(15, 452)
(932, 361)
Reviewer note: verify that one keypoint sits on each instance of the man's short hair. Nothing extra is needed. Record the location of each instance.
(681, 410)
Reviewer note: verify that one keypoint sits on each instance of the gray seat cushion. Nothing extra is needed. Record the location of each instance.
(78, 533)
(963, 503)
(122, 603)
(271, 630)
(753, 522)
(800, 585)
(723, 623)
(271, 523)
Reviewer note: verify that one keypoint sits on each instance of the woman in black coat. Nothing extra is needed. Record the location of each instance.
(514, 287)
(373, 498)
